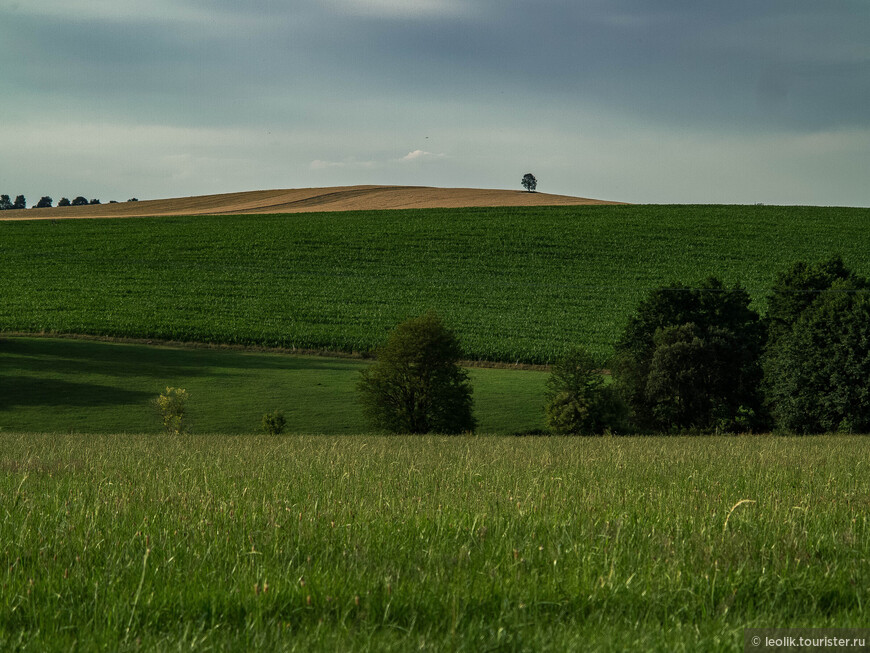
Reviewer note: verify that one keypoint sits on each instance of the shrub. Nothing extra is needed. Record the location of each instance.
(817, 363)
(417, 385)
(274, 422)
(171, 406)
(689, 360)
(578, 401)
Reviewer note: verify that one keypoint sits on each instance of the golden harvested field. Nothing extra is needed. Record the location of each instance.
(302, 200)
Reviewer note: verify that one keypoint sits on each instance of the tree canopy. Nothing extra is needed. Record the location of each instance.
(417, 385)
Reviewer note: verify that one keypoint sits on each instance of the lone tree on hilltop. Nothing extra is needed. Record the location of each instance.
(529, 182)
(417, 385)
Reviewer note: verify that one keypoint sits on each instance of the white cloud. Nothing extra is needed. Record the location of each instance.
(402, 8)
(421, 155)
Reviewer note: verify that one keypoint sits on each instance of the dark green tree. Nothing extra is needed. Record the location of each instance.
(417, 385)
(63, 201)
(94, 201)
(20, 202)
(44, 202)
(685, 343)
(529, 182)
(577, 400)
(79, 201)
(5, 203)
(817, 361)
(797, 288)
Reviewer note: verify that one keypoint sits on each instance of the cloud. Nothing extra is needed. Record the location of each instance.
(402, 8)
(421, 155)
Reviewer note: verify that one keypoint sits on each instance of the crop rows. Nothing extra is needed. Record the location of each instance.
(517, 283)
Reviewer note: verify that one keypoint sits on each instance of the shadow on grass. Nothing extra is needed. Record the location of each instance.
(58, 356)
(29, 391)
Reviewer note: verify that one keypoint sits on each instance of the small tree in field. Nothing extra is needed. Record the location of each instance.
(44, 202)
(274, 422)
(578, 401)
(417, 385)
(64, 201)
(529, 182)
(171, 406)
(20, 202)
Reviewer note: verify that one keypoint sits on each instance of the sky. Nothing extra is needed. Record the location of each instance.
(644, 101)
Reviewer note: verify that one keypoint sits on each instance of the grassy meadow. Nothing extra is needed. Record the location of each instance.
(380, 543)
(518, 284)
(53, 385)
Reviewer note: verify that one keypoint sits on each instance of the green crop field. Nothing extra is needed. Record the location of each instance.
(59, 386)
(427, 543)
(518, 284)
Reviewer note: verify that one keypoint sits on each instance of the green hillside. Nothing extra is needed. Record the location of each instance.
(517, 283)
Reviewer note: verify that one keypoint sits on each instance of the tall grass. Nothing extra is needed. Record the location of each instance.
(392, 543)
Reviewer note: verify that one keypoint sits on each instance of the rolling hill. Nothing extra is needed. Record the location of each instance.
(305, 200)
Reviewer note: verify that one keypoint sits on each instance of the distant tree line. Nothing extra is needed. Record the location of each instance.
(692, 359)
(47, 202)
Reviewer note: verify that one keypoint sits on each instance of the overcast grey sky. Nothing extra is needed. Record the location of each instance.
(678, 101)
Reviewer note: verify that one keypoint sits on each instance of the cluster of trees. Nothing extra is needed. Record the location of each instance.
(46, 202)
(7, 204)
(692, 359)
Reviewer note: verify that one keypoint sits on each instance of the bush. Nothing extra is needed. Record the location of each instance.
(689, 360)
(417, 385)
(171, 406)
(817, 363)
(578, 401)
(274, 422)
